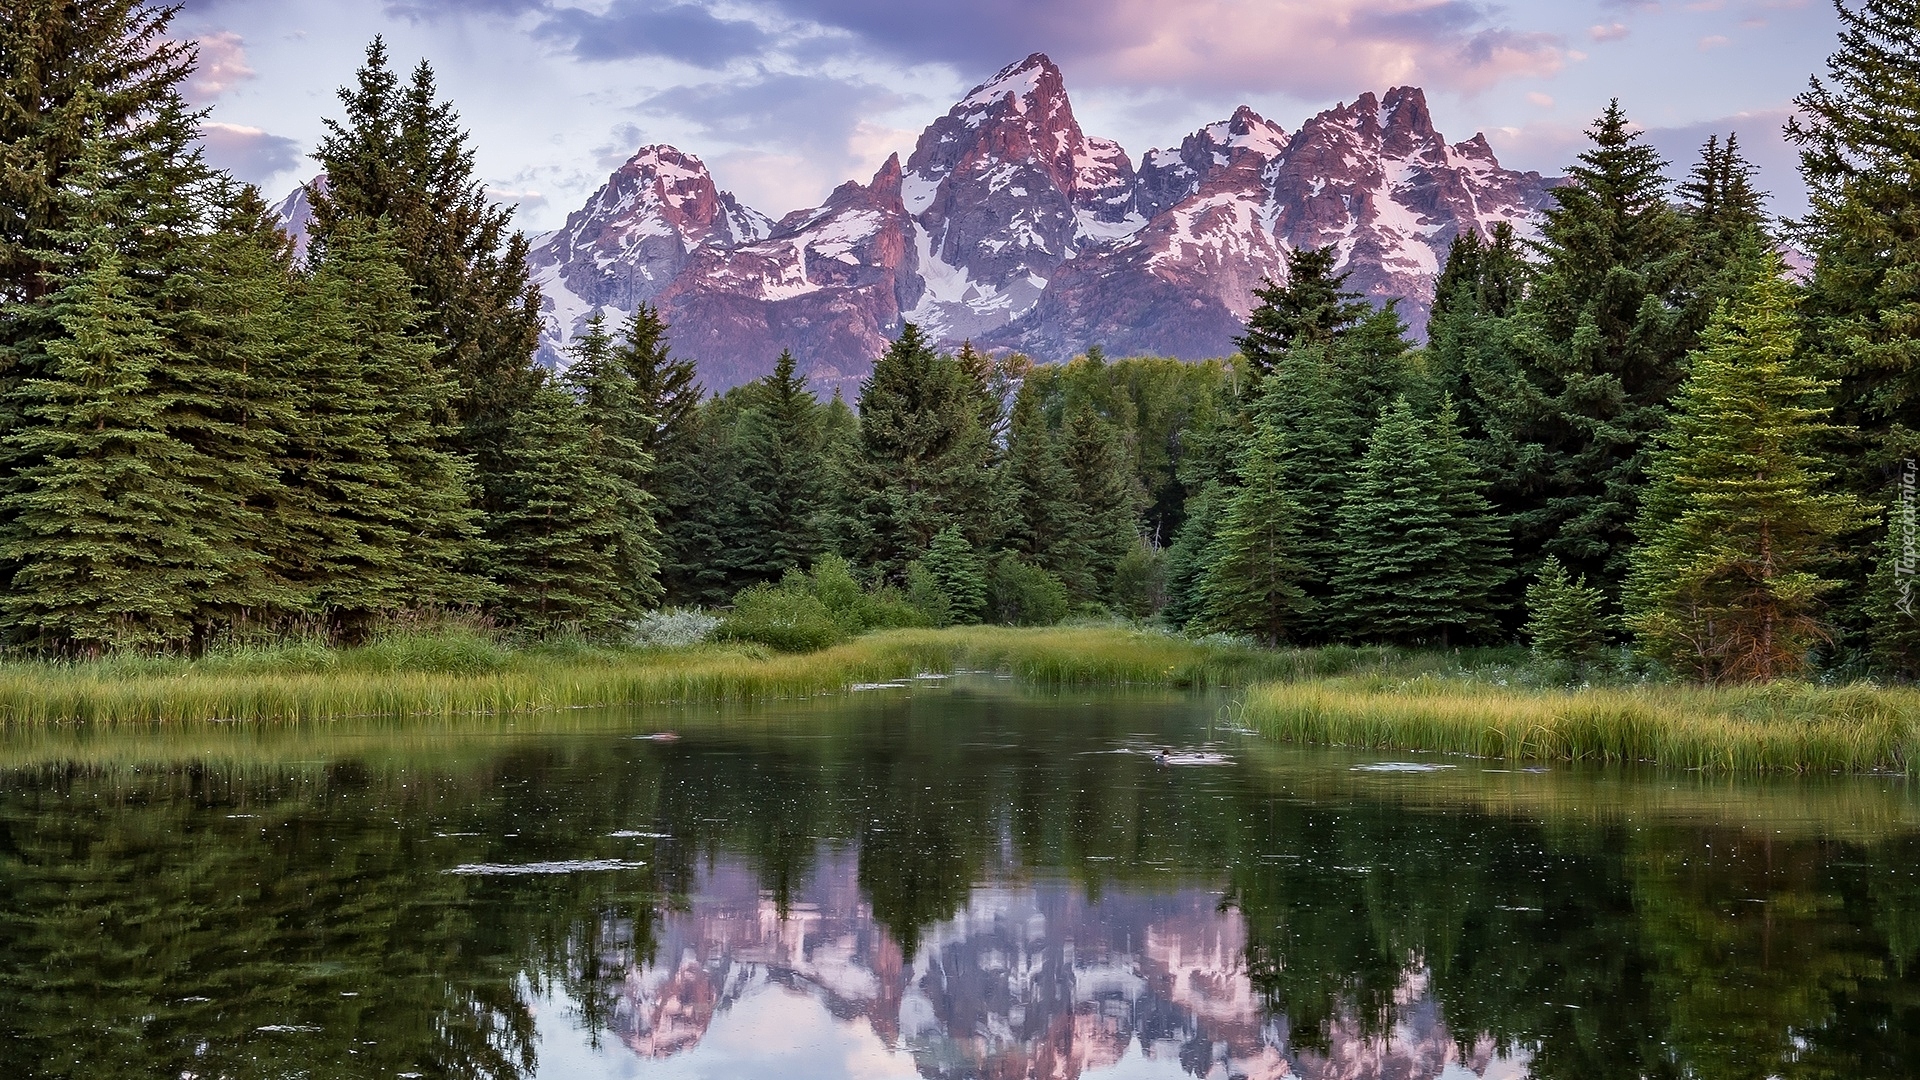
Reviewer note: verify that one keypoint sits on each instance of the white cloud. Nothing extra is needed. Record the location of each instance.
(222, 66)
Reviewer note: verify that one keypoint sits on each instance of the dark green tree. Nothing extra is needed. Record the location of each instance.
(1042, 522)
(921, 464)
(667, 426)
(1597, 345)
(1253, 566)
(1312, 307)
(1105, 495)
(556, 550)
(782, 475)
(382, 516)
(609, 406)
(110, 537)
(1422, 556)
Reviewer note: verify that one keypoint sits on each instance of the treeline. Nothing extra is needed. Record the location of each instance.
(1637, 427)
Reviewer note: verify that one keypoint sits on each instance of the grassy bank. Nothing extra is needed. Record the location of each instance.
(1366, 698)
(453, 675)
(1782, 727)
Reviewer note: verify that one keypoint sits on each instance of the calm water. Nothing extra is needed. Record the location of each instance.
(947, 880)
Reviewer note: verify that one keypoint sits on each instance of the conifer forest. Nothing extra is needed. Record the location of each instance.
(1675, 430)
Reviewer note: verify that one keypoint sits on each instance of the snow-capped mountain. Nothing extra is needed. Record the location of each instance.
(1011, 227)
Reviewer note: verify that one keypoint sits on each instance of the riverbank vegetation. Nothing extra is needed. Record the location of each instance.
(1636, 432)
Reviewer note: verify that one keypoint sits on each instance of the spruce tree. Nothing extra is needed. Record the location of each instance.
(106, 520)
(1312, 307)
(1598, 345)
(921, 464)
(782, 474)
(960, 573)
(1421, 555)
(1738, 521)
(666, 426)
(1251, 582)
(557, 551)
(381, 513)
(1566, 619)
(1105, 494)
(1042, 522)
(609, 407)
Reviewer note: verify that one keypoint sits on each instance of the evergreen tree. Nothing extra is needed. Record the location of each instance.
(1187, 557)
(382, 520)
(959, 572)
(1104, 492)
(666, 426)
(1042, 522)
(99, 78)
(1737, 522)
(609, 407)
(781, 473)
(1566, 619)
(1251, 583)
(400, 157)
(1421, 554)
(106, 522)
(922, 459)
(556, 551)
(1598, 345)
(1313, 307)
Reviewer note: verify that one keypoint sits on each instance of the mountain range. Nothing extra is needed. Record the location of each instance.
(1010, 227)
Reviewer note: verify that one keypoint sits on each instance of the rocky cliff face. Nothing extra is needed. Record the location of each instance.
(1011, 227)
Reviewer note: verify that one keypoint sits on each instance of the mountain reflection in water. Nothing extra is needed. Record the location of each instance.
(1035, 981)
(966, 881)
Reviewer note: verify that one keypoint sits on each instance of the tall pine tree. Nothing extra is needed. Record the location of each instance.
(610, 409)
(1312, 307)
(1738, 521)
(1252, 581)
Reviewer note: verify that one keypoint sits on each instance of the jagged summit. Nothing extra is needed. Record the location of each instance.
(1010, 226)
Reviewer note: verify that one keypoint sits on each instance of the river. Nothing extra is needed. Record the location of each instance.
(940, 878)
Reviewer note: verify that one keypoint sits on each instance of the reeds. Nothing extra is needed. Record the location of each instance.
(1782, 727)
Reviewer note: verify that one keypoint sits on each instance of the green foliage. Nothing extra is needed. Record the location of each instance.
(1022, 594)
(928, 595)
(956, 570)
(1421, 556)
(615, 455)
(922, 460)
(1597, 349)
(784, 617)
(1566, 619)
(1738, 519)
(1251, 584)
(1313, 307)
(1140, 582)
(556, 546)
(782, 476)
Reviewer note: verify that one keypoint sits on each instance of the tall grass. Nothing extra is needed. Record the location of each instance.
(1783, 727)
(453, 673)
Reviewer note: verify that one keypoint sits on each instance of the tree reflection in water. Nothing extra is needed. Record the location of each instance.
(953, 881)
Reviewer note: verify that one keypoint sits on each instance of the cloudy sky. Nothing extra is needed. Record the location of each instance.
(786, 98)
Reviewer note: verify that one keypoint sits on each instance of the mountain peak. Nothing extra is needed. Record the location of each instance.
(1034, 77)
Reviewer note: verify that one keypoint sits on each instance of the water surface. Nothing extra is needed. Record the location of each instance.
(940, 879)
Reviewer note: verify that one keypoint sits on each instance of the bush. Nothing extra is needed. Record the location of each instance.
(781, 617)
(856, 609)
(1140, 582)
(1020, 594)
(927, 595)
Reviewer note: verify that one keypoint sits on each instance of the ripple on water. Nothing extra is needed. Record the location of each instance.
(1400, 767)
(569, 866)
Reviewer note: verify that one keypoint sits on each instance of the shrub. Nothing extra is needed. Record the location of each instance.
(781, 617)
(1021, 594)
(927, 595)
(1140, 582)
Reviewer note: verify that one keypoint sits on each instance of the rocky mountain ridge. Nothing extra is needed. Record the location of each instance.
(1011, 227)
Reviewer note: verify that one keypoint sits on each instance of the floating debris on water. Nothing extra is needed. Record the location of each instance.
(630, 834)
(932, 675)
(288, 1027)
(659, 736)
(572, 866)
(1191, 757)
(878, 686)
(1400, 766)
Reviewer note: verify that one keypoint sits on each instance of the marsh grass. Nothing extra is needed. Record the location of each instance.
(1792, 727)
(1485, 703)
